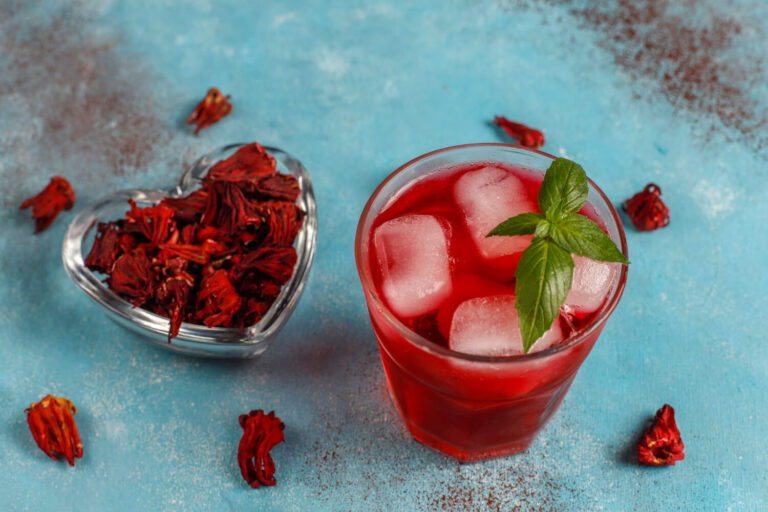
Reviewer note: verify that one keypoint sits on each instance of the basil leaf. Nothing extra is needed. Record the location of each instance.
(554, 213)
(543, 279)
(580, 235)
(523, 224)
(565, 187)
(543, 229)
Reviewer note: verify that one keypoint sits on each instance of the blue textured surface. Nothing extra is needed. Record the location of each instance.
(97, 92)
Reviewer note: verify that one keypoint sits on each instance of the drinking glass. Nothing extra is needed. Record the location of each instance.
(471, 406)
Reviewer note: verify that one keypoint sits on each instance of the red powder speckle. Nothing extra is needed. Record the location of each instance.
(705, 60)
(485, 489)
(75, 106)
(691, 56)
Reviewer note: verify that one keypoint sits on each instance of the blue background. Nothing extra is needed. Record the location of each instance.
(98, 92)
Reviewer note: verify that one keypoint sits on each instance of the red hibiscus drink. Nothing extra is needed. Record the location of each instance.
(441, 295)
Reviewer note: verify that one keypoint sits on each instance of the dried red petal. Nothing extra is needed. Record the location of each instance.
(47, 204)
(218, 300)
(210, 110)
(249, 164)
(128, 242)
(200, 253)
(646, 210)
(284, 221)
(155, 222)
(169, 267)
(52, 423)
(524, 135)
(209, 233)
(188, 234)
(132, 277)
(276, 262)
(661, 444)
(261, 433)
(187, 208)
(229, 209)
(172, 297)
(106, 248)
(254, 310)
(260, 286)
(279, 186)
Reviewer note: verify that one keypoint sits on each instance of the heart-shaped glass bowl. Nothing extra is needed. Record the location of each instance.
(197, 340)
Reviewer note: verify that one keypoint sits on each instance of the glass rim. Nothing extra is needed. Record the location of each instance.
(367, 279)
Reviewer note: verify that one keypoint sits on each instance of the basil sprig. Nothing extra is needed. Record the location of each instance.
(545, 271)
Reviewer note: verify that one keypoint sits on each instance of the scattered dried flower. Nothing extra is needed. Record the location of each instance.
(646, 210)
(52, 423)
(261, 432)
(212, 108)
(46, 206)
(661, 444)
(524, 135)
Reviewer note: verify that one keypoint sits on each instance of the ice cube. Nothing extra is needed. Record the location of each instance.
(467, 286)
(412, 252)
(487, 197)
(592, 281)
(488, 326)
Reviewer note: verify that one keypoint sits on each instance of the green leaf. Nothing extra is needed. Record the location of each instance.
(523, 224)
(555, 214)
(543, 279)
(545, 270)
(565, 187)
(580, 235)
(543, 229)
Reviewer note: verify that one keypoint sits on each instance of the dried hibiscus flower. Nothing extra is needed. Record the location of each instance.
(250, 164)
(261, 432)
(218, 256)
(661, 444)
(172, 296)
(52, 423)
(276, 262)
(218, 300)
(212, 108)
(154, 222)
(106, 248)
(46, 205)
(284, 223)
(646, 210)
(131, 277)
(524, 135)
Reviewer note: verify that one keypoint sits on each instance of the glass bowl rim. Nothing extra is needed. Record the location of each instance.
(432, 347)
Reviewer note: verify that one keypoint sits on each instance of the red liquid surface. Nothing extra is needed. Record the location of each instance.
(472, 275)
(471, 409)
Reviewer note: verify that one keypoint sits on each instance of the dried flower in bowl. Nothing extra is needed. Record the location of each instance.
(218, 262)
(202, 257)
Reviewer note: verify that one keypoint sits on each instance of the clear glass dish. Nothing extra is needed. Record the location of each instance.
(196, 340)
